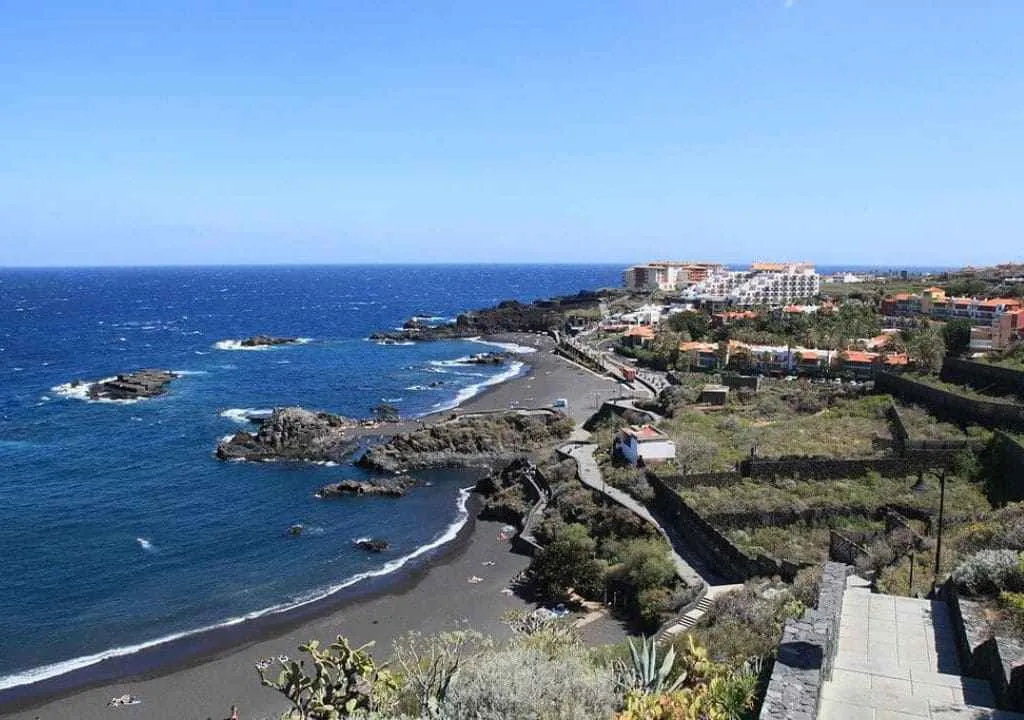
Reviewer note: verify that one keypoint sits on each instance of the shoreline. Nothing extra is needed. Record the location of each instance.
(162, 663)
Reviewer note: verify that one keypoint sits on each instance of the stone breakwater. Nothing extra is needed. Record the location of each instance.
(294, 434)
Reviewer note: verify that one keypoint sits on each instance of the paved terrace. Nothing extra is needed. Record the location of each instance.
(897, 660)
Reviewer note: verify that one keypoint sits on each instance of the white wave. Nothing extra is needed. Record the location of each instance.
(392, 400)
(417, 387)
(190, 372)
(507, 347)
(237, 344)
(396, 343)
(200, 352)
(81, 392)
(473, 390)
(326, 463)
(44, 672)
(362, 539)
(244, 416)
(145, 544)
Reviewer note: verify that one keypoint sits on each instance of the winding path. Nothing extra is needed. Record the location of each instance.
(590, 475)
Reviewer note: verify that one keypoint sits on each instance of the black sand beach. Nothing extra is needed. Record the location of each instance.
(436, 595)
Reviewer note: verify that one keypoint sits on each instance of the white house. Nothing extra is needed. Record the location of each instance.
(645, 443)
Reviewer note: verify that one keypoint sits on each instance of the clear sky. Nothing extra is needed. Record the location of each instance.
(841, 131)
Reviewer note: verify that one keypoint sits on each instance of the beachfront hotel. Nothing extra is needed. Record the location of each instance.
(762, 284)
(667, 275)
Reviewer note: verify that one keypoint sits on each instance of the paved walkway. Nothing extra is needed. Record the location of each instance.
(590, 475)
(897, 660)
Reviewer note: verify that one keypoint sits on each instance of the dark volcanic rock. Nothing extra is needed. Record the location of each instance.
(260, 340)
(510, 316)
(389, 487)
(478, 440)
(293, 434)
(132, 386)
(371, 545)
(487, 359)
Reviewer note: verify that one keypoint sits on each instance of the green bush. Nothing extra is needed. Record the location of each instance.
(990, 571)
(527, 683)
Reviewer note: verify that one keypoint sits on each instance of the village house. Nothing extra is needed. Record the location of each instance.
(644, 444)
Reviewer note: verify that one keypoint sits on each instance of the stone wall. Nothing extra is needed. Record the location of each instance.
(734, 381)
(1007, 468)
(983, 376)
(982, 654)
(811, 516)
(843, 549)
(731, 563)
(711, 479)
(960, 408)
(805, 656)
(824, 468)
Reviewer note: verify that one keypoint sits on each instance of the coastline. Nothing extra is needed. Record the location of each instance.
(167, 676)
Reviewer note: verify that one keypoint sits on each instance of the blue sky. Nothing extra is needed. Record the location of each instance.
(252, 132)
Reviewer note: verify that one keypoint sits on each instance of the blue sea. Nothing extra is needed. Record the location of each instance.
(118, 526)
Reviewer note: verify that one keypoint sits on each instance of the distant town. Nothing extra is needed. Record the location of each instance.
(784, 317)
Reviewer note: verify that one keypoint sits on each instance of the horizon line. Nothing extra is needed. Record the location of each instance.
(471, 263)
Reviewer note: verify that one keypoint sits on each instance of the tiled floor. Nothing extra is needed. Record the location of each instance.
(897, 661)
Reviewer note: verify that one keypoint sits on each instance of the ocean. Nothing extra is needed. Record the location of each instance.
(119, 529)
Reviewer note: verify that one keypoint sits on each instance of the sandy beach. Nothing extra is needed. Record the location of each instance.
(435, 595)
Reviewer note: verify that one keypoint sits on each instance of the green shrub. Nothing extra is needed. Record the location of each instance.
(990, 571)
(527, 683)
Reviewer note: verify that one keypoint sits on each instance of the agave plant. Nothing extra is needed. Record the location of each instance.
(648, 676)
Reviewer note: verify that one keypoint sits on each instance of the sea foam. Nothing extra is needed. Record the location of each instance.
(44, 672)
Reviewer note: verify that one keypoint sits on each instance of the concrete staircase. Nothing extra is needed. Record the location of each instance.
(684, 622)
(897, 660)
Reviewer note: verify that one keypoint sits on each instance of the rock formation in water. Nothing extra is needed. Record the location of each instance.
(388, 487)
(132, 386)
(293, 434)
(268, 340)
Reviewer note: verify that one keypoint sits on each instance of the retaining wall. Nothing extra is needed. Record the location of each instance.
(982, 654)
(808, 647)
(731, 563)
(1007, 461)
(960, 408)
(823, 468)
(983, 376)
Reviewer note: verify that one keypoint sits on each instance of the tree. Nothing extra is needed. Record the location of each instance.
(927, 348)
(693, 324)
(957, 336)
(569, 562)
(385, 412)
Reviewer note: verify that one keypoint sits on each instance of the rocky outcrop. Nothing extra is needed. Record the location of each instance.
(371, 544)
(486, 359)
(388, 487)
(509, 316)
(468, 441)
(132, 386)
(268, 340)
(293, 434)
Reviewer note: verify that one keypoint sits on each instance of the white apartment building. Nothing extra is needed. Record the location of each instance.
(762, 284)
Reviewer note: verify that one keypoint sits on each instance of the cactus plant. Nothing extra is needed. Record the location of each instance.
(342, 680)
(650, 677)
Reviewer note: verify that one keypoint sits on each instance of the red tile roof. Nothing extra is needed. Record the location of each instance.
(641, 331)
